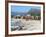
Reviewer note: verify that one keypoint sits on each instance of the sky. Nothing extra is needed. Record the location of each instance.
(22, 8)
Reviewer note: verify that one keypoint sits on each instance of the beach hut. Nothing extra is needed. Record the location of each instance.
(28, 17)
(18, 16)
(32, 17)
(36, 17)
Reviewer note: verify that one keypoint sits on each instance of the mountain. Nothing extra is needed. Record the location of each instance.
(18, 13)
(33, 11)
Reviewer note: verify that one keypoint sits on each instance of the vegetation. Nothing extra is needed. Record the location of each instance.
(34, 13)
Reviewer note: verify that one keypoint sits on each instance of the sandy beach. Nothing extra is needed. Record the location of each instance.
(29, 24)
